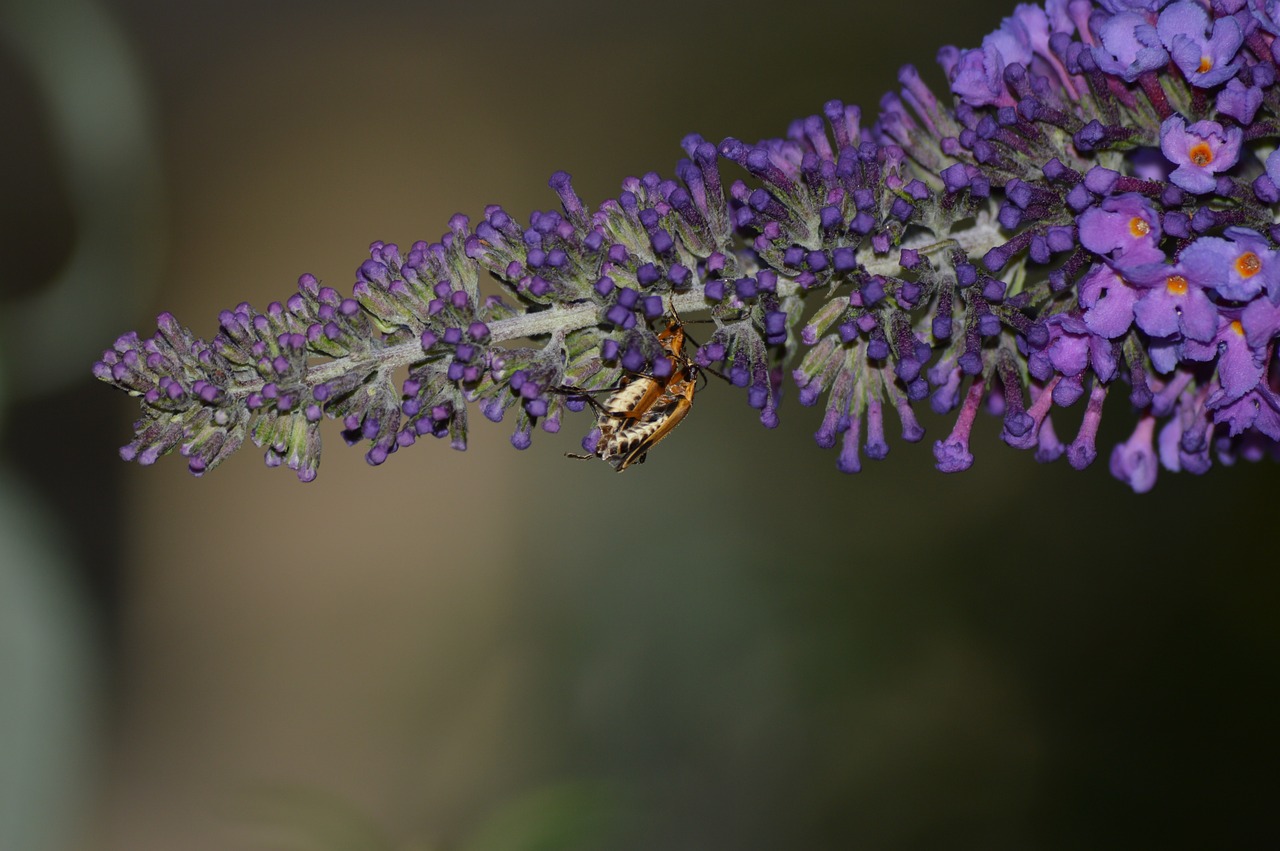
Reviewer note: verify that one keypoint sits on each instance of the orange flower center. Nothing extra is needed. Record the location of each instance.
(1138, 227)
(1176, 285)
(1206, 64)
(1237, 328)
(1248, 264)
(1201, 154)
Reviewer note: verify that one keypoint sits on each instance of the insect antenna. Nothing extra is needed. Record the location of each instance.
(703, 370)
(584, 394)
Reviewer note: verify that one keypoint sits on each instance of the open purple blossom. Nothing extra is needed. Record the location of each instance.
(1172, 305)
(1266, 187)
(1200, 151)
(1258, 409)
(1012, 39)
(1204, 49)
(976, 75)
(1108, 302)
(1238, 101)
(1124, 228)
(1088, 216)
(1072, 350)
(1130, 46)
(1041, 24)
(1267, 14)
(1238, 267)
(1118, 6)
(1239, 365)
(1260, 319)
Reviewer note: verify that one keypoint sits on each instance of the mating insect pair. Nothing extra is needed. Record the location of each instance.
(643, 409)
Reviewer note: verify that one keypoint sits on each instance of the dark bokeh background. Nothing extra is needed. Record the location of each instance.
(733, 646)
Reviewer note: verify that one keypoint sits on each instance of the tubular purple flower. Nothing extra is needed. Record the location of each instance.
(1134, 462)
(1082, 451)
(1072, 348)
(953, 455)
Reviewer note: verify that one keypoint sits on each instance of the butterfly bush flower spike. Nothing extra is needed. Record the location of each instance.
(1085, 219)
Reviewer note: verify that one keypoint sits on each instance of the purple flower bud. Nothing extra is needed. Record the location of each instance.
(775, 322)
(955, 177)
(662, 241)
(679, 276)
(633, 360)
(617, 315)
(1078, 197)
(1100, 180)
(561, 183)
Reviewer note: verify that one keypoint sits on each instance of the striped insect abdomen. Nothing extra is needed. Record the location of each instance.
(630, 445)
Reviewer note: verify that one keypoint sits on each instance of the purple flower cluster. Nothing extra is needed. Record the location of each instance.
(1118, 144)
(1093, 210)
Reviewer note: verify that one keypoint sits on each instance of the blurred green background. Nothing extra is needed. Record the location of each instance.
(733, 646)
